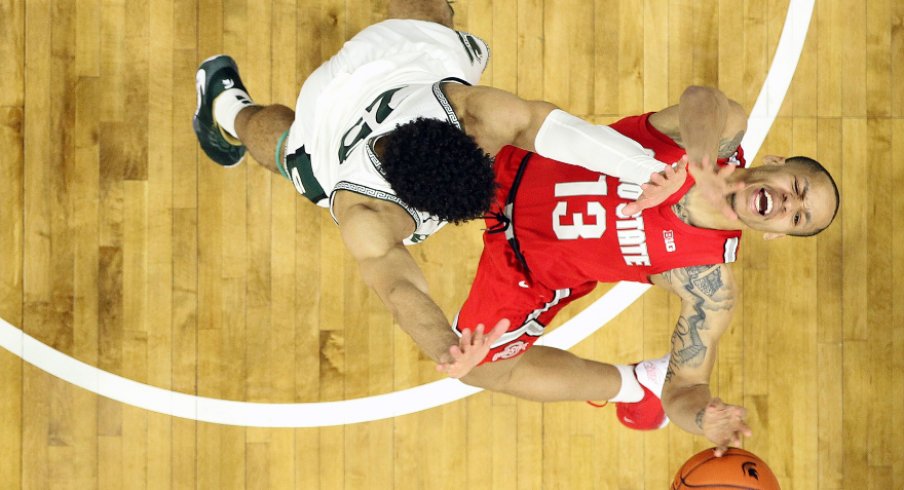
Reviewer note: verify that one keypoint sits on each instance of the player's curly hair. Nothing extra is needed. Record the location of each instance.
(435, 167)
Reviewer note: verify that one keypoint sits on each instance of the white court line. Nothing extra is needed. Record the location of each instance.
(421, 397)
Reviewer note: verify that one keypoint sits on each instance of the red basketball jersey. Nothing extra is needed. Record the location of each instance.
(571, 230)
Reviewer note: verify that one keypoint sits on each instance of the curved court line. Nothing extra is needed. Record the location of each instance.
(291, 415)
(781, 71)
(320, 414)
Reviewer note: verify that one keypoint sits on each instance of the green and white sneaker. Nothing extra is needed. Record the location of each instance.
(216, 75)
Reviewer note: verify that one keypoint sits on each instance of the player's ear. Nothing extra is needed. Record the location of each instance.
(773, 160)
(773, 236)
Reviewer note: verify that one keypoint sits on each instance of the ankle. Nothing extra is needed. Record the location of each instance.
(228, 106)
(630, 390)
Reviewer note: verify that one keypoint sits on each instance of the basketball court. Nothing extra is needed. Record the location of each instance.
(168, 323)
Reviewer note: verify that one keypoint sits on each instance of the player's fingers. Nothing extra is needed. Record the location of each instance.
(657, 179)
(456, 352)
(499, 329)
(478, 335)
(631, 209)
(742, 428)
(745, 429)
(720, 450)
(466, 335)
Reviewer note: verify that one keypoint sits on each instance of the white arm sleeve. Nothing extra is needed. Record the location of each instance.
(602, 149)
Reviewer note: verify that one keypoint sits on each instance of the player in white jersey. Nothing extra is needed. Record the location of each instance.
(392, 135)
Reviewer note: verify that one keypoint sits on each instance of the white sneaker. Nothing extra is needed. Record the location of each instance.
(646, 414)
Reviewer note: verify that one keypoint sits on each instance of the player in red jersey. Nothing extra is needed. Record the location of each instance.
(558, 229)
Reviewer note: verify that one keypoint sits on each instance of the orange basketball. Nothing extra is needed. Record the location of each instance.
(736, 469)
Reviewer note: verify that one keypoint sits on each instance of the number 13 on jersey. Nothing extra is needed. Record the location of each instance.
(578, 228)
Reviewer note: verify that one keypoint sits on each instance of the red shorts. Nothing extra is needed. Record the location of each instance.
(503, 288)
(500, 290)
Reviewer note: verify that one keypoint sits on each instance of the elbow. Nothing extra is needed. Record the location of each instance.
(678, 398)
(699, 91)
(669, 394)
(706, 99)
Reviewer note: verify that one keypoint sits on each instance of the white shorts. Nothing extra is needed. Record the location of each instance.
(391, 53)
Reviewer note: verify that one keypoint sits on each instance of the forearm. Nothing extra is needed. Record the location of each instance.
(419, 316)
(702, 115)
(569, 139)
(685, 406)
(496, 118)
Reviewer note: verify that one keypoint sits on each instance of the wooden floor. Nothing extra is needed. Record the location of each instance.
(127, 249)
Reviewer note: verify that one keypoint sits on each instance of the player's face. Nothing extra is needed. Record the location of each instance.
(789, 198)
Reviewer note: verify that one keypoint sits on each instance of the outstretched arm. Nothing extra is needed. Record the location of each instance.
(496, 118)
(707, 297)
(388, 268)
(709, 126)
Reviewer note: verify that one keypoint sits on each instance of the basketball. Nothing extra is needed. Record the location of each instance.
(736, 469)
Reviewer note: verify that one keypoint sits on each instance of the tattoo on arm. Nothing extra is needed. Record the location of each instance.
(680, 210)
(728, 147)
(699, 418)
(709, 293)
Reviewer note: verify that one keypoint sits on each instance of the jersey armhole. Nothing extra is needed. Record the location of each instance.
(376, 194)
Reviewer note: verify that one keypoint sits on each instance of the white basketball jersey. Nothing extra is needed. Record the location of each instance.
(359, 169)
(389, 74)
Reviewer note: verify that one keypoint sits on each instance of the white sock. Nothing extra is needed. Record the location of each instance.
(630, 391)
(228, 105)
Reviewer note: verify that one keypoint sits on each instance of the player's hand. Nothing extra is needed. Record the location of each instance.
(713, 184)
(471, 349)
(724, 425)
(659, 188)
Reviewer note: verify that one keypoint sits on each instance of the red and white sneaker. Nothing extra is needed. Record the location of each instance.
(647, 414)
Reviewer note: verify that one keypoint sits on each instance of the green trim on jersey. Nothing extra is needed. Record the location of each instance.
(279, 149)
(298, 165)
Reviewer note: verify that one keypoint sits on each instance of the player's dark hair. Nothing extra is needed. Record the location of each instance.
(817, 167)
(435, 167)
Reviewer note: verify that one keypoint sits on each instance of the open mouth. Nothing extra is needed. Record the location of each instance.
(762, 202)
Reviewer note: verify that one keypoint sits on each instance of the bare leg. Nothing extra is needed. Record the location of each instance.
(259, 129)
(438, 11)
(547, 374)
